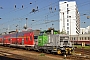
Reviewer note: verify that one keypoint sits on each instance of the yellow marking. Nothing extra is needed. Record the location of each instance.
(68, 49)
(59, 52)
(70, 52)
(55, 49)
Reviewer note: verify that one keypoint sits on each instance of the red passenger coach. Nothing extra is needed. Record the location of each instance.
(19, 39)
(24, 39)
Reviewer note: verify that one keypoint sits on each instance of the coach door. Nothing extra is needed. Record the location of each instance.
(22, 41)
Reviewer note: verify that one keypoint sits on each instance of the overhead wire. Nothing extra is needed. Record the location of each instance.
(40, 11)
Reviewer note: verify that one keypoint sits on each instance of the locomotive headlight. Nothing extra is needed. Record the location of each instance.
(70, 49)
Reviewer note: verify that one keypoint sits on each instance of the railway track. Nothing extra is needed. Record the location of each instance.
(26, 54)
(5, 54)
(10, 56)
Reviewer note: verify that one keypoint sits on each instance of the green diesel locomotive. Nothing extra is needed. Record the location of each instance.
(54, 43)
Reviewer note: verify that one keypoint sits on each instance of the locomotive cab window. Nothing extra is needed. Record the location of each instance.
(26, 38)
(30, 37)
(65, 41)
(61, 39)
(41, 33)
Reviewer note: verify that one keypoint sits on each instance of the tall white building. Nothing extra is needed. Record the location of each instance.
(69, 18)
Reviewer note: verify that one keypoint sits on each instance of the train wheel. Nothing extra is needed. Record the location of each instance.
(59, 52)
(47, 52)
(28, 48)
(63, 53)
(70, 52)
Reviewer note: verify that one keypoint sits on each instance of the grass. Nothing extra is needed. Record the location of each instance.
(42, 54)
(79, 46)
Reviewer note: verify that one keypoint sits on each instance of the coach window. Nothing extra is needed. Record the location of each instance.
(77, 38)
(74, 38)
(82, 38)
(88, 38)
(85, 38)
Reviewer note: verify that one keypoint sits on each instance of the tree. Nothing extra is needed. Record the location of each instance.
(62, 32)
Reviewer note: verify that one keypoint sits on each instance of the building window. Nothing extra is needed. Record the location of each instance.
(67, 24)
(67, 11)
(67, 20)
(67, 28)
(67, 32)
(67, 5)
(67, 16)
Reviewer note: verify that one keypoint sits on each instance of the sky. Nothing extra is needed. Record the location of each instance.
(42, 19)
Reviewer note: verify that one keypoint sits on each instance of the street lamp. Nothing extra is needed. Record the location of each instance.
(26, 22)
(71, 31)
(88, 17)
(1, 7)
(25, 27)
(6, 30)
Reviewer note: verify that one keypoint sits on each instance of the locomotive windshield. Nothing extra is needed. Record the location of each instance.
(64, 38)
(41, 33)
